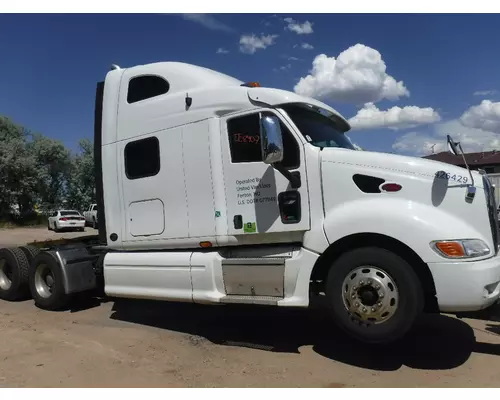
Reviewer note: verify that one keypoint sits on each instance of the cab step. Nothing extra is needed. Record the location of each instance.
(257, 300)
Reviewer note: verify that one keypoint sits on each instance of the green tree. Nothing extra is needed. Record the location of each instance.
(53, 162)
(81, 177)
(18, 173)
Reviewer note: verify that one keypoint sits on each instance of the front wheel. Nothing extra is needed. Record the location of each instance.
(373, 294)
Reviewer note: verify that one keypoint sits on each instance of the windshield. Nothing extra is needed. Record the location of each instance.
(318, 129)
(67, 213)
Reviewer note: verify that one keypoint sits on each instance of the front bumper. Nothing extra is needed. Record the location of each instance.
(466, 285)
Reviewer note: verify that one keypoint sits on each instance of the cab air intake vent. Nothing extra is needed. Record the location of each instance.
(368, 184)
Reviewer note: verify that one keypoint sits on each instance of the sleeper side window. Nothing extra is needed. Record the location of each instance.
(244, 141)
(145, 87)
(142, 158)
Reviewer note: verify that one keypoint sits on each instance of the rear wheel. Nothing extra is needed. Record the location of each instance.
(30, 252)
(46, 282)
(13, 274)
(373, 294)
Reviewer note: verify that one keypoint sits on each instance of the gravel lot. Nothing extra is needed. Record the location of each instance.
(156, 344)
(17, 237)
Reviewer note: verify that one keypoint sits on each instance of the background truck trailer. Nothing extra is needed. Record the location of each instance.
(215, 191)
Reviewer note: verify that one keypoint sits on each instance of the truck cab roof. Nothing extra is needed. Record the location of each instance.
(185, 93)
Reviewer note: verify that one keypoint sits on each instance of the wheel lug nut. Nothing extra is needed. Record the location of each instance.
(364, 309)
(357, 304)
(369, 282)
(379, 304)
(377, 287)
(353, 296)
(381, 295)
(361, 283)
(354, 288)
(374, 309)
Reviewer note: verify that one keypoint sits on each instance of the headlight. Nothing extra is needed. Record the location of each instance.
(466, 248)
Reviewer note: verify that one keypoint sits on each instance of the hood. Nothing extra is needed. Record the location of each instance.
(419, 167)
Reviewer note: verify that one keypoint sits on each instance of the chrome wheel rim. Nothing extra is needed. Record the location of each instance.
(370, 294)
(44, 281)
(5, 275)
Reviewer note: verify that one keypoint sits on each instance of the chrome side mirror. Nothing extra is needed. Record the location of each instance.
(271, 139)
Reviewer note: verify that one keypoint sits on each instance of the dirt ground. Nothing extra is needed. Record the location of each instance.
(19, 236)
(155, 344)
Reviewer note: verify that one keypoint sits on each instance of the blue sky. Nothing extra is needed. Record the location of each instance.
(51, 63)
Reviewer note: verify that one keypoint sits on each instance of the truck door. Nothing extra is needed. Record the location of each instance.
(259, 198)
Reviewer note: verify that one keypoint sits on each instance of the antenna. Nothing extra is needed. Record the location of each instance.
(432, 147)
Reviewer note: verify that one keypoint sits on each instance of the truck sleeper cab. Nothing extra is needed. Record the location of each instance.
(215, 191)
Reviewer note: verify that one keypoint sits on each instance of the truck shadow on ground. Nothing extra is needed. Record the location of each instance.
(437, 342)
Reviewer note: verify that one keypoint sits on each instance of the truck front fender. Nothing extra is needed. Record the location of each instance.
(414, 224)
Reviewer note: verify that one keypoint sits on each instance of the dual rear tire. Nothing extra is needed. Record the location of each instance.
(14, 269)
(25, 270)
(46, 282)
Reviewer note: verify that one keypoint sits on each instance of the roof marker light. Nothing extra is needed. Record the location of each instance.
(251, 84)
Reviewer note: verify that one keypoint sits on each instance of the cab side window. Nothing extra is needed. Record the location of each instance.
(244, 141)
(142, 158)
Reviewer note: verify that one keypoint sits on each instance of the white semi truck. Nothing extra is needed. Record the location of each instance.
(215, 191)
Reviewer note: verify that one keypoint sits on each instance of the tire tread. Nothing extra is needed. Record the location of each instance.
(22, 265)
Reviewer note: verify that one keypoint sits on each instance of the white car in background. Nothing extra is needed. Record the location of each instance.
(66, 220)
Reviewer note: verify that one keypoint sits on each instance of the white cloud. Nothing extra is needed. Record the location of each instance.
(249, 44)
(418, 144)
(298, 28)
(485, 92)
(283, 68)
(289, 58)
(220, 50)
(485, 116)
(305, 46)
(472, 140)
(358, 75)
(354, 144)
(207, 21)
(394, 118)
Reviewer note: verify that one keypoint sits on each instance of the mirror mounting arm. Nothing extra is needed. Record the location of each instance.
(466, 165)
(452, 148)
(293, 177)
